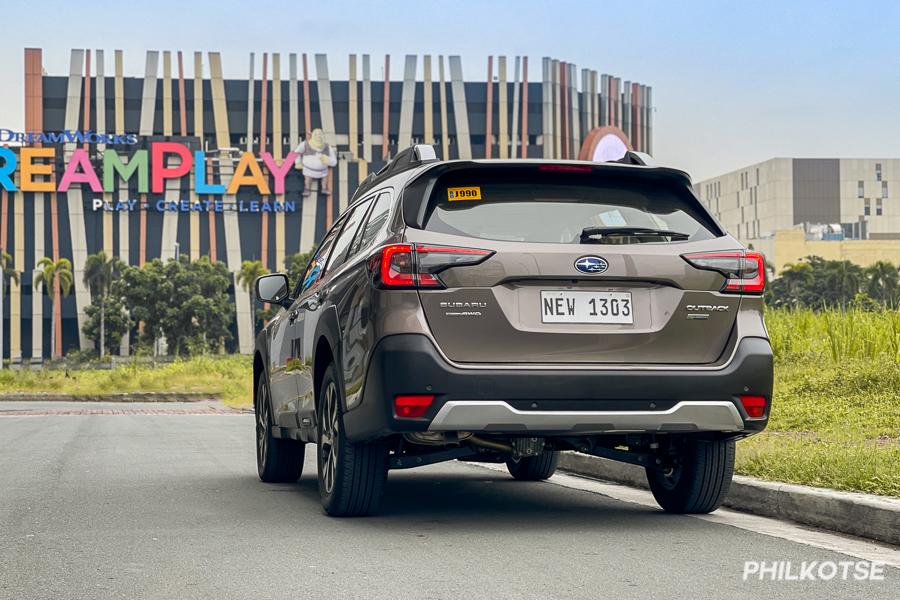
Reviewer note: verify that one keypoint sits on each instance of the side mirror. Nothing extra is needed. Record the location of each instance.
(273, 288)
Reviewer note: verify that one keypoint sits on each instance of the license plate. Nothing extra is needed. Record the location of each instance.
(586, 307)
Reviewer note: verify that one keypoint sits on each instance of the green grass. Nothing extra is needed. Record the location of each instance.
(835, 419)
(836, 411)
(227, 376)
(834, 335)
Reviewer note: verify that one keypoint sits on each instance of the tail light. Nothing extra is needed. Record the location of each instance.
(754, 406)
(744, 271)
(417, 266)
(397, 269)
(412, 406)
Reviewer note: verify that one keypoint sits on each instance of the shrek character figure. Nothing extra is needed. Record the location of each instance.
(315, 158)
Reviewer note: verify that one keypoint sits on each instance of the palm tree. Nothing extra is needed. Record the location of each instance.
(9, 274)
(250, 271)
(99, 272)
(843, 280)
(797, 278)
(884, 282)
(55, 275)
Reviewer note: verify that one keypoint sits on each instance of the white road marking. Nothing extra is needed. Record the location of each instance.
(850, 546)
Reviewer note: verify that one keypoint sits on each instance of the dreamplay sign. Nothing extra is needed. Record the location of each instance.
(164, 160)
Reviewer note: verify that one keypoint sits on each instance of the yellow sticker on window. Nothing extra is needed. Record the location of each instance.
(464, 193)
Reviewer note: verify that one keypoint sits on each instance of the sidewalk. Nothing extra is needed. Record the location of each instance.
(864, 515)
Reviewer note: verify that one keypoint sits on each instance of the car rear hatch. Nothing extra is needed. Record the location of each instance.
(565, 263)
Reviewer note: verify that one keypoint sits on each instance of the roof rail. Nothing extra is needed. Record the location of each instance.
(406, 159)
(411, 157)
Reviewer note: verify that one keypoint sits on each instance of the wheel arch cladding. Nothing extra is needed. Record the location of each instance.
(324, 356)
(258, 371)
(327, 349)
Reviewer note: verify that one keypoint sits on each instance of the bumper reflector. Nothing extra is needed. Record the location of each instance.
(755, 406)
(412, 406)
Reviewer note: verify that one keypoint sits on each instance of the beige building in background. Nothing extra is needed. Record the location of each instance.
(791, 245)
(789, 208)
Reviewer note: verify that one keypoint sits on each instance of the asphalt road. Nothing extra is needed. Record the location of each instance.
(149, 502)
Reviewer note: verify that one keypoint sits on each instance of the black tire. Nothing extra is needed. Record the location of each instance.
(700, 482)
(534, 468)
(351, 475)
(277, 460)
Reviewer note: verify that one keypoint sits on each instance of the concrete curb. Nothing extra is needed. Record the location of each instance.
(122, 397)
(863, 515)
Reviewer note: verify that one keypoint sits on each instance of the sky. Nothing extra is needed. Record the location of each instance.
(733, 83)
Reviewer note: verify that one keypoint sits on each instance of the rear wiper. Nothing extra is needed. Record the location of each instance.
(588, 233)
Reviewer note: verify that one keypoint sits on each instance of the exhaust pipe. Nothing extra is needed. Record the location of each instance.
(492, 444)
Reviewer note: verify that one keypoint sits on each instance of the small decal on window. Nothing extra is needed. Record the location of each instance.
(613, 218)
(464, 193)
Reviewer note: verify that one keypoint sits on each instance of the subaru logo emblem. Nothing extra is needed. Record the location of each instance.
(591, 264)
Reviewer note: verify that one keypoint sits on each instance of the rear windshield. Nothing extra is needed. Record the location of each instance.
(566, 209)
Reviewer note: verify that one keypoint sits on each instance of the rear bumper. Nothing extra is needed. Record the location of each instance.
(558, 401)
(495, 415)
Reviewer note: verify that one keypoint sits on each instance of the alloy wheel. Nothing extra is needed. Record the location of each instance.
(262, 425)
(328, 437)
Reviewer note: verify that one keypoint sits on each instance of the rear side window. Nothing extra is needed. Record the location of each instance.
(565, 208)
(315, 266)
(339, 255)
(376, 223)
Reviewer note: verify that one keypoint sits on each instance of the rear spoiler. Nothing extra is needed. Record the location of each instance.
(418, 191)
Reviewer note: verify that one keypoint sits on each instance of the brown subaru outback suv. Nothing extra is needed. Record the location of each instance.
(505, 311)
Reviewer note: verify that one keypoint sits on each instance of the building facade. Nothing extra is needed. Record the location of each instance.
(789, 246)
(76, 180)
(789, 208)
(861, 197)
